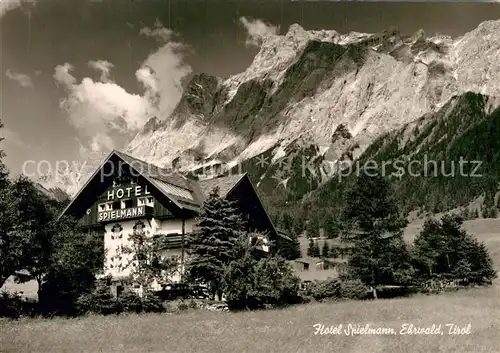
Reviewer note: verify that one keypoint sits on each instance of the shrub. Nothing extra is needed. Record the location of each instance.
(327, 289)
(252, 284)
(182, 306)
(11, 305)
(99, 301)
(130, 302)
(152, 304)
(353, 289)
(192, 304)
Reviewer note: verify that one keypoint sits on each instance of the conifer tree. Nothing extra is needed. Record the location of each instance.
(215, 242)
(316, 251)
(312, 229)
(375, 226)
(325, 250)
(290, 250)
(331, 227)
(445, 248)
(310, 248)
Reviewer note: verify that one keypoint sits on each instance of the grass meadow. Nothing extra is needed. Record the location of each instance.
(287, 330)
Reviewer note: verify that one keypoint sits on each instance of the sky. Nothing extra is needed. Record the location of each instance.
(79, 76)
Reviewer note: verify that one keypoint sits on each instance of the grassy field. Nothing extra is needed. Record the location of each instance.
(289, 330)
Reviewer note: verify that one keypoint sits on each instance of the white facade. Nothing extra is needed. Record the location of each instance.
(116, 237)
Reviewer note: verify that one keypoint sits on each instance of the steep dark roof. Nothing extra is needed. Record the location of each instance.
(155, 172)
(184, 192)
(175, 189)
(224, 183)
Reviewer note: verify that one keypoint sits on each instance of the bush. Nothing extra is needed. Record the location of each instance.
(152, 304)
(354, 289)
(130, 302)
(11, 305)
(182, 306)
(327, 289)
(99, 301)
(253, 284)
(192, 304)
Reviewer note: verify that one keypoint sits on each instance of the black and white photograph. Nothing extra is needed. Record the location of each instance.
(297, 176)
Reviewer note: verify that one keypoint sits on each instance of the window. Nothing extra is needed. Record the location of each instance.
(322, 265)
(116, 205)
(127, 203)
(306, 267)
(116, 232)
(116, 183)
(139, 226)
(145, 201)
(119, 290)
(104, 207)
(107, 206)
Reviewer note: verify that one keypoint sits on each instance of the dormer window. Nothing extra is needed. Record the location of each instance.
(116, 183)
(145, 201)
(127, 203)
(107, 206)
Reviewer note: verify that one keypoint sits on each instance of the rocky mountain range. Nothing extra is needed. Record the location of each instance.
(313, 98)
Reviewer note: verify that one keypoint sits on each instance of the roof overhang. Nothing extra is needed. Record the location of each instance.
(102, 178)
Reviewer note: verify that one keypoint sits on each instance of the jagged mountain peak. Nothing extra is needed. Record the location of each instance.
(305, 86)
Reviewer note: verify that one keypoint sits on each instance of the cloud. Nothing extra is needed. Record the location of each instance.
(8, 136)
(22, 79)
(8, 5)
(100, 109)
(158, 31)
(257, 30)
(62, 75)
(161, 74)
(103, 66)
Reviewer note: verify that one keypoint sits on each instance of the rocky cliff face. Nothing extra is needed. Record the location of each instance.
(318, 94)
(303, 85)
(446, 160)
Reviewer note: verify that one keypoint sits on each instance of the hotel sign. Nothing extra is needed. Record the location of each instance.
(122, 214)
(128, 192)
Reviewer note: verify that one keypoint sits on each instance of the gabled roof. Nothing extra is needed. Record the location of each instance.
(225, 184)
(176, 190)
(183, 192)
(147, 169)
